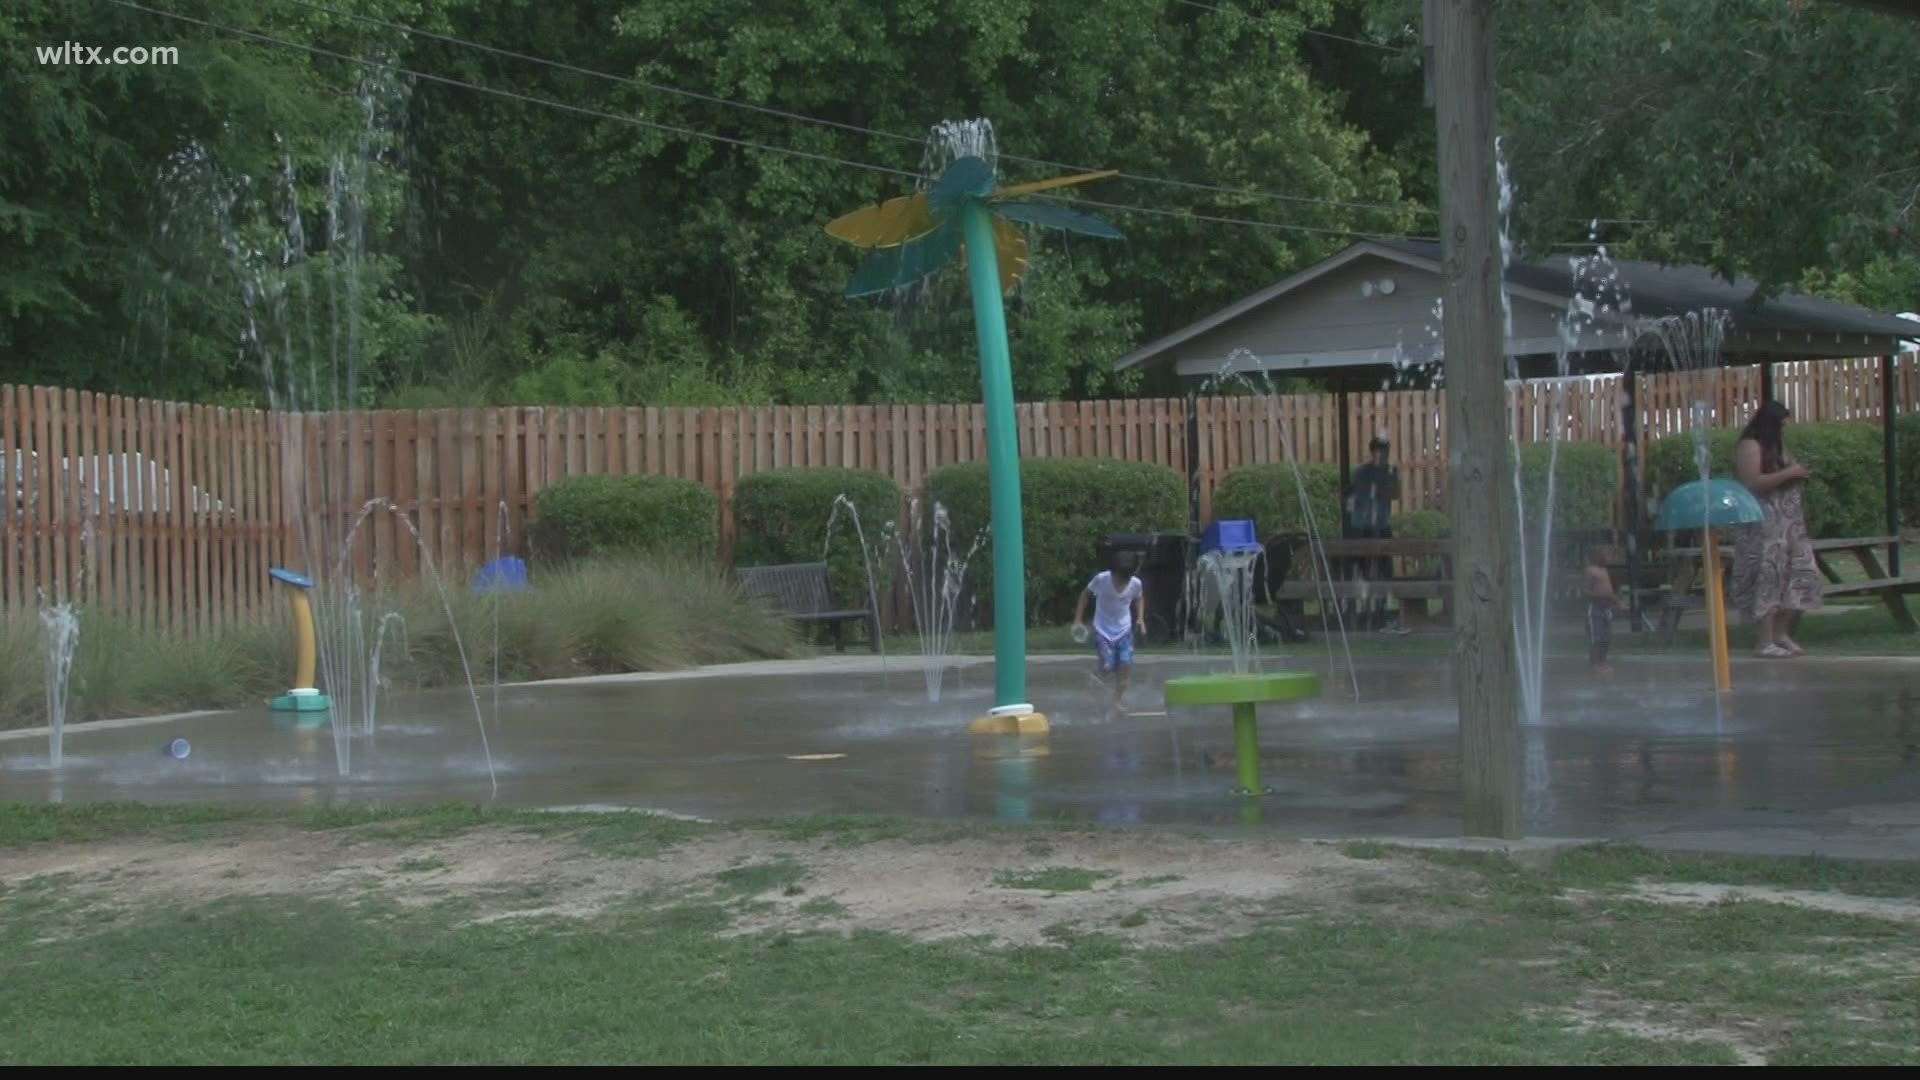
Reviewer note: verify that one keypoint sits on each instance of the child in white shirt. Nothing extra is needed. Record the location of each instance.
(1119, 608)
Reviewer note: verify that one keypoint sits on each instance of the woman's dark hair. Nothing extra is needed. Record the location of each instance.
(1765, 428)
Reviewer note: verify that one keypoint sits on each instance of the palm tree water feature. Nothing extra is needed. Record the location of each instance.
(958, 212)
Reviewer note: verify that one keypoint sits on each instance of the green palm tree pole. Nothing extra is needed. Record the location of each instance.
(917, 235)
(1003, 459)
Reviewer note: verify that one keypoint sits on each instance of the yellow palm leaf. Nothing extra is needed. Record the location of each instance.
(1011, 244)
(1058, 181)
(889, 224)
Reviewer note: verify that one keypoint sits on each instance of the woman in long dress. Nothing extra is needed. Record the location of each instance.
(1775, 579)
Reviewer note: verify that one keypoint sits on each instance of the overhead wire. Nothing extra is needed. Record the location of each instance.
(515, 95)
(716, 137)
(841, 125)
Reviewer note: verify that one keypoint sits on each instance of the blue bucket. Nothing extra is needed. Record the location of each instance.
(1231, 535)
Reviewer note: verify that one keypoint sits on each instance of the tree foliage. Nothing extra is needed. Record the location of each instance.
(1758, 137)
(619, 223)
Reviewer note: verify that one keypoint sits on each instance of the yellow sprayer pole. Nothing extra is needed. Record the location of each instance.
(304, 651)
(1717, 617)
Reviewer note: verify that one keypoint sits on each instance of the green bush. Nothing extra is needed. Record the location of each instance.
(1586, 488)
(1421, 525)
(1067, 505)
(1270, 497)
(1585, 493)
(1845, 497)
(781, 516)
(593, 515)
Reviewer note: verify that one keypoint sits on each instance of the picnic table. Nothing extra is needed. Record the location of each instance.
(1864, 550)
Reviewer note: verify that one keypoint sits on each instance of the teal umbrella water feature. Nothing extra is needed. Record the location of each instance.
(1707, 505)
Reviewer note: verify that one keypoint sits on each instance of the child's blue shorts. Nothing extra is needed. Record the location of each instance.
(1116, 653)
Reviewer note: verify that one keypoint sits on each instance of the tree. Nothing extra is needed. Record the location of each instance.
(731, 235)
(511, 247)
(125, 191)
(1757, 137)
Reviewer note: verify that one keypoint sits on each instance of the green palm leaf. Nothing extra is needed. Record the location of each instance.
(968, 177)
(897, 267)
(1046, 215)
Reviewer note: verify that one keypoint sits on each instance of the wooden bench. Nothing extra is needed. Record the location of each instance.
(802, 592)
(1347, 559)
(1414, 595)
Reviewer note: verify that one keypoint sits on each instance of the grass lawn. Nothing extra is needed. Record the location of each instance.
(212, 935)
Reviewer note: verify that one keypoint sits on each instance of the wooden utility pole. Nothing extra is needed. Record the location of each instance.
(1480, 485)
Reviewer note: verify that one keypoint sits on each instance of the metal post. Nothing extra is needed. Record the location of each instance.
(1482, 506)
(1346, 452)
(1716, 614)
(1630, 451)
(1193, 465)
(1246, 748)
(1766, 381)
(1889, 445)
(1003, 463)
(1191, 619)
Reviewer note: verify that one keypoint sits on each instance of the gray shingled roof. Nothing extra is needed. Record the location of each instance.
(1659, 290)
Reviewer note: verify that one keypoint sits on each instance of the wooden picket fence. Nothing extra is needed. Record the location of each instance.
(171, 514)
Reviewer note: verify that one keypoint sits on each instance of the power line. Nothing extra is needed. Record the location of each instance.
(609, 76)
(1190, 215)
(744, 143)
(669, 128)
(767, 110)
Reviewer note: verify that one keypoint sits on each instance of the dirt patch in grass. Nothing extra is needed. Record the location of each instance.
(1148, 889)
(1701, 894)
(1748, 1040)
(504, 873)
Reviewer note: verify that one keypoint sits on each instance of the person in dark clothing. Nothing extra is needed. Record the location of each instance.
(1369, 511)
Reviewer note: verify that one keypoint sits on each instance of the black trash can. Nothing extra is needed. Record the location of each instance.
(1162, 564)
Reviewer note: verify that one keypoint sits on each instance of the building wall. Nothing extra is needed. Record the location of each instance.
(1340, 313)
